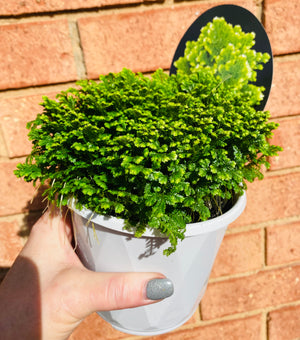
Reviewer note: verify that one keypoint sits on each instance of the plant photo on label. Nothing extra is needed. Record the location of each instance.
(160, 151)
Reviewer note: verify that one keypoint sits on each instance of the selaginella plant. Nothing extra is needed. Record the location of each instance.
(159, 151)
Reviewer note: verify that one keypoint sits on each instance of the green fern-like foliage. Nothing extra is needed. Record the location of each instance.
(156, 151)
(228, 52)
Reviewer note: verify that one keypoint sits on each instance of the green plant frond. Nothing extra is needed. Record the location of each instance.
(226, 51)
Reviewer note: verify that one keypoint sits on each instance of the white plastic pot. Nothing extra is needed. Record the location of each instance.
(113, 249)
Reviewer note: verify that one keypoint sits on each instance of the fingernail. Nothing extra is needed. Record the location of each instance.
(158, 289)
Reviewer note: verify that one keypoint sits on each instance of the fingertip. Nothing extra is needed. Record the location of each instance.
(159, 289)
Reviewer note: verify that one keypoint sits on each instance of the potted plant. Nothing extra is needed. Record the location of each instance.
(157, 165)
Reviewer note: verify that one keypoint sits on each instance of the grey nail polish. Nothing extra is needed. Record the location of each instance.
(158, 289)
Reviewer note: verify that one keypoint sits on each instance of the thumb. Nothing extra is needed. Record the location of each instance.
(94, 291)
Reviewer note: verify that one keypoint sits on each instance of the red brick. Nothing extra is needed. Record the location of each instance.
(14, 114)
(282, 25)
(36, 53)
(272, 198)
(284, 98)
(288, 137)
(283, 243)
(142, 41)
(16, 196)
(17, 7)
(250, 328)
(284, 324)
(243, 294)
(10, 242)
(239, 253)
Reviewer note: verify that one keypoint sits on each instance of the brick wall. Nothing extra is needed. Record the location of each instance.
(46, 45)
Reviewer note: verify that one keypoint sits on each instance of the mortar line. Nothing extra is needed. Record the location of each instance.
(265, 247)
(35, 90)
(281, 172)
(263, 10)
(250, 313)
(279, 119)
(77, 50)
(85, 12)
(63, 13)
(264, 224)
(260, 11)
(254, 272)
(267, 333)
(3, 147)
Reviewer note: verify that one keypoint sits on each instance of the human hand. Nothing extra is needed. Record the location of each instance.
(48, 292)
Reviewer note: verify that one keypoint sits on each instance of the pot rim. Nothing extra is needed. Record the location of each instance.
(192, 229)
